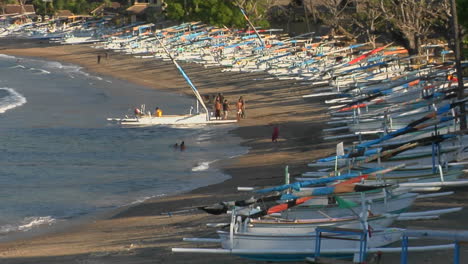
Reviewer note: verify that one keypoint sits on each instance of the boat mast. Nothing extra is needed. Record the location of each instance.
(253, 27)
(187, 79)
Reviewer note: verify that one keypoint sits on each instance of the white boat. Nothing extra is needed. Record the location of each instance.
(281, 234)
(199, 118)
(279, 244)
(417, 156)
(303, 226)
(189, 119)
(79, 40)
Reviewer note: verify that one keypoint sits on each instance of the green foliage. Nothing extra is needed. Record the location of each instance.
(81, 7)
(5, 2)
(39, 6)
(214, 12)
(263, 23)
(152, 15)
(257, 11)
(222, 14)
(59, 4)
(462, 10)
(75, 6)
(175, 11)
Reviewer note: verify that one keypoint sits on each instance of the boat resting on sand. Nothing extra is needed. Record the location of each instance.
(166, 120)
(199, 118)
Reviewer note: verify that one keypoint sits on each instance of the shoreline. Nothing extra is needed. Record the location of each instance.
(262, 165)
(144, 233)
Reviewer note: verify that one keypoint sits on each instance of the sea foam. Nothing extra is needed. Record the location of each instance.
(41, 71)
(4, 56)
(202, 166)
(71, 70)
(27, 224)
(14, 99)
(31, 222)
(18, 66)
(142, 200)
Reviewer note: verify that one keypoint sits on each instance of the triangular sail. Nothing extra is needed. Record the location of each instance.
(187, 79)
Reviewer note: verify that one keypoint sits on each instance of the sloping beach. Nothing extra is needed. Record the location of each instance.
(145, 233)
(142, 232)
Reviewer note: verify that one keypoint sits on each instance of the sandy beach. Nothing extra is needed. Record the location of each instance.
(145, 233)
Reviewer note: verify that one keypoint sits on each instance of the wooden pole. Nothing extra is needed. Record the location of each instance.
(252, 26)
(458, 67)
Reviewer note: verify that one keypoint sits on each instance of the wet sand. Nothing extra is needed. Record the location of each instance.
(145, 233)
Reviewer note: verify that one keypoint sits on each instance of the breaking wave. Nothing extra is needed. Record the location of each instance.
(27, 224)
(202, 166)
(10, 100)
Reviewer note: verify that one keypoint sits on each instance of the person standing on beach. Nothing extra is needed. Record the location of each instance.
(239, 109)
(221, 97)
(215, 98)
(218, 109)
(275, 134)
(242, 101)
(225, 109)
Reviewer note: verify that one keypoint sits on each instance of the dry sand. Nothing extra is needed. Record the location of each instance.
(145, 233)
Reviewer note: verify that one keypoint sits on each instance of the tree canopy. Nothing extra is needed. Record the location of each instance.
(462, 10)
(407, 22)
(75, 6)
(218, 12)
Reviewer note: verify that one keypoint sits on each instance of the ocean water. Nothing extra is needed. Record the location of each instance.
(60, 159)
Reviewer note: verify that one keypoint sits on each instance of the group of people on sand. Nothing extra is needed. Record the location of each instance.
(221, 107)
(220, 104)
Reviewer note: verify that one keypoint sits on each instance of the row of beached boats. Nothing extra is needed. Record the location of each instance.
(351, 71)
(60, 31)
(401, 121)
(406, 122)
(315, 60)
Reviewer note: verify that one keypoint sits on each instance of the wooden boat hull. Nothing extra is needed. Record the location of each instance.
(449, 151)
(303, 226)
(168, 120)
(303, 242)
(393, 205)
(397, 121)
